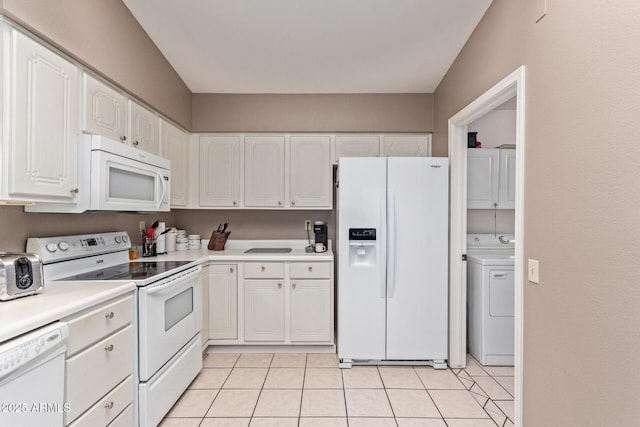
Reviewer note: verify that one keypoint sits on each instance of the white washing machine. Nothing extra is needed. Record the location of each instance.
(490, 299)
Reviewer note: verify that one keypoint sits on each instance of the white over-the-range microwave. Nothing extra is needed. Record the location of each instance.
(113, 176)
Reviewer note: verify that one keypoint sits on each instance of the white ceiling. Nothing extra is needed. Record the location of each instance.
(309, 46)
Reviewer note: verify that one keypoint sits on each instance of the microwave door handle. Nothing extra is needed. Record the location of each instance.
(164, 189)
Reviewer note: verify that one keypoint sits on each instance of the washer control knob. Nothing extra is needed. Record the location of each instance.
(63, 246)
(117, 239)
(125, 239)
(52, 247)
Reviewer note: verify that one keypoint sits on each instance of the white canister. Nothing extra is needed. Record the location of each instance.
(161, 247)
(170, 241)
(182, 244)
(181, 233)
(194, 241)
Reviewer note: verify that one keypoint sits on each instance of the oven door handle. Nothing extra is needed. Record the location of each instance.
(172, 283)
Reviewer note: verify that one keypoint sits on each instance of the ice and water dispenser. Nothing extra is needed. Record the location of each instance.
(362, 246)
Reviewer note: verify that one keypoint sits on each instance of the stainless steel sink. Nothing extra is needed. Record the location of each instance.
(268, 251)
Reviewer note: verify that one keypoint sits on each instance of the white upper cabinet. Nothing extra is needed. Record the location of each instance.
(507, 180)
(104, 110)
(219, 171)
(482, 178)
(40, 113)
(310, 172)
(264, 171)
(491, 178)
(143, 128)
(175, 147)
(357, 146)
(406, 145)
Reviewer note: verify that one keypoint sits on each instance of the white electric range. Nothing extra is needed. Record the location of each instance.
(168, 316)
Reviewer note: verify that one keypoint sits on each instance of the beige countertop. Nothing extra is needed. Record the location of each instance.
(59, 299)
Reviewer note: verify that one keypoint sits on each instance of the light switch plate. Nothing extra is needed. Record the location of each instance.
(534, 271)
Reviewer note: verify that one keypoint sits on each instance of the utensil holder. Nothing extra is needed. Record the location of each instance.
(217, 241)
(149, 247)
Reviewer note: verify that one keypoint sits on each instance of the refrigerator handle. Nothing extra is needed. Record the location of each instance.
(391, 233)
(381, 254)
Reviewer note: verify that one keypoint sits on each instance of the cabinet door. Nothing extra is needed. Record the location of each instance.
(223, 302)
(220, 171)
(311, 172)
(482, 178)
(175, 147)
(43, 109)
(357, 146)
(204, 332)
(263, 310)
(143, 129)
(264, 171)
(311, 310)
(507, 181)
(104, 110)
(406, 145)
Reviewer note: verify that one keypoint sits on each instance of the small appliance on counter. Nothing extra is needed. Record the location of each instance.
(321, 236)
(21, 274)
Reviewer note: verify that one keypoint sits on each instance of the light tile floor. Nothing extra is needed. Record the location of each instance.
(309, 390)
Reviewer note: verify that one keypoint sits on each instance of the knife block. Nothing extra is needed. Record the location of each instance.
(217, 241)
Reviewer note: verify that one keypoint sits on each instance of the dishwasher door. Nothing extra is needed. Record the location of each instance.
(32, 378)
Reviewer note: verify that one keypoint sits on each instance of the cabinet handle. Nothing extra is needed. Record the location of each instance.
(293, 285)
(293, 203)
(310, 268)
(108, 405)
(109, 348)
(123, 138)
(262, 268)
(231, 270)
(279, 285)
(279, 202)
(235, 203)
(75, 191)
(109, 315)
(136, 143)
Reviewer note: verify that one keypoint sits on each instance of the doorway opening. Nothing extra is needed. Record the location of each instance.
(510, 87)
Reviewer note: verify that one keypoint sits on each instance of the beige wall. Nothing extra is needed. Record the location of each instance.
(105, 36)
(313, 113)
(581, 199)
(18, 226)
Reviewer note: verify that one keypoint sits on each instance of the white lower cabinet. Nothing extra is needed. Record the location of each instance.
(223, 301)
(311, 310)
(99, 365)
(264, 310)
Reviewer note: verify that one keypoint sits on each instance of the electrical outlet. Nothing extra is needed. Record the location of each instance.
(307, 224)
(142, 226)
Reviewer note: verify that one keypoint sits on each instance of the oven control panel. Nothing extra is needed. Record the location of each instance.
(53, 249)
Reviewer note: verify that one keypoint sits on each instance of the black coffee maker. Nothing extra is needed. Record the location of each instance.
(321, 236)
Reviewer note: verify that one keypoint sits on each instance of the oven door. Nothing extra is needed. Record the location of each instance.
(124, 184)
(170, 314)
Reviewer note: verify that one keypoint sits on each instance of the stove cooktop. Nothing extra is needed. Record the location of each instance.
(129, 271)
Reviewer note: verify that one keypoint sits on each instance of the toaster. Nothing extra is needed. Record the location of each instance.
(21, 274)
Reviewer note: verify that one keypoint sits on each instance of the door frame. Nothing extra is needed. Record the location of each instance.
(512, 85)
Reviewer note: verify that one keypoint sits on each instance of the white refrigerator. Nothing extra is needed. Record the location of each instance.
(393, 260)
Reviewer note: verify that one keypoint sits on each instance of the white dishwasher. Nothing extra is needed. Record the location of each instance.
(32, 378)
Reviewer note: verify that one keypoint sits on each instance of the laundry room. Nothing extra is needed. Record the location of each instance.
(491, 175)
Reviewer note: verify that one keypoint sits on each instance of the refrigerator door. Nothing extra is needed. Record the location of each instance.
(361, 263)
(418, 195)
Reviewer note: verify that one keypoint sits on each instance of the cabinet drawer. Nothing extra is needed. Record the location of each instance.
(98, 369)
(310, 270)
(264, 270)
(86, 329)
(107, 408)
(125, 419)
